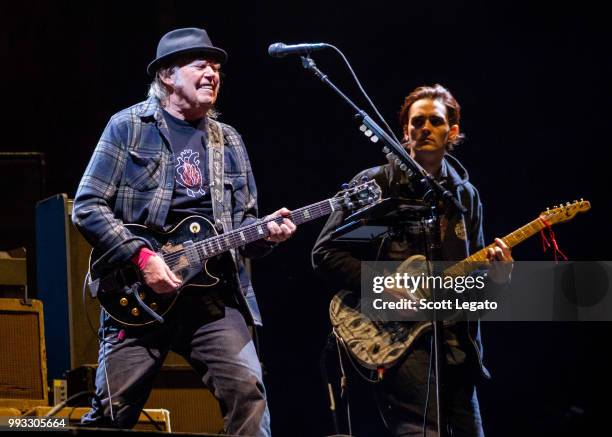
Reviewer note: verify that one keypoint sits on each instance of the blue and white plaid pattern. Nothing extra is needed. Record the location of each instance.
(130, 179)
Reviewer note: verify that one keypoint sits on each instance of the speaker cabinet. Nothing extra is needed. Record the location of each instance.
(23, 371)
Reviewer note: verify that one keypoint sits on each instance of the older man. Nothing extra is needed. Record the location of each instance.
(157, 163)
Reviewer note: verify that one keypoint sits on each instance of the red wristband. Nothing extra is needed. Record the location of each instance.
(143, 255)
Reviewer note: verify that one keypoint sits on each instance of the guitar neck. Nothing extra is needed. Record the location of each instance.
(479, 258)
(259, 230)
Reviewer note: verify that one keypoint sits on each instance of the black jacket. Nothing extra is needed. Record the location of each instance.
(340, 263)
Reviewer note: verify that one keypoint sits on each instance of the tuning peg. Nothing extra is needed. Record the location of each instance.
(581, 199)
(344, 186)
(364, 179)
(374, 139)
(385, 150)
(403, 167)
(368, 133)
(567, 204)
(363, 128)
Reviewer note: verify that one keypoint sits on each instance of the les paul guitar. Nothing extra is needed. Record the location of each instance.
(375, 344)
(188, 248)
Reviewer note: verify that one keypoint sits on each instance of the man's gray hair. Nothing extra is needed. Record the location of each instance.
(159, 90)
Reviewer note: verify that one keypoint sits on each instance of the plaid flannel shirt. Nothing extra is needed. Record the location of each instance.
(130, 179)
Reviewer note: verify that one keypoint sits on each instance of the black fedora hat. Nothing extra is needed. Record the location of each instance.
(181, 41)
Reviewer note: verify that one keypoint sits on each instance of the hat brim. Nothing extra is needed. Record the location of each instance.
(216, 53)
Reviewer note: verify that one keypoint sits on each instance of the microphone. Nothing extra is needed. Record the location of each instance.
(279, 49)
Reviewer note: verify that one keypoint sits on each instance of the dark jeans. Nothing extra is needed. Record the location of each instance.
(403, 393)
(216, 342)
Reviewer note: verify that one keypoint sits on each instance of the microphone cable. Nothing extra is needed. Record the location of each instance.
(365, 94)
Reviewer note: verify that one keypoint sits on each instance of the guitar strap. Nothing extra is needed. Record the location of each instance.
(216, 168)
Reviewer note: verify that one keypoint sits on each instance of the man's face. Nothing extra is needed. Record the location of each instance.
(427, 130)
(195, 84)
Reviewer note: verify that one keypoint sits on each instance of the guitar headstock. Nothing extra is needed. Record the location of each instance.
(564, 213)
(358, 195)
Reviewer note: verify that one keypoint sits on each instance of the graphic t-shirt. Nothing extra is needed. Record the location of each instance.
(191, 183)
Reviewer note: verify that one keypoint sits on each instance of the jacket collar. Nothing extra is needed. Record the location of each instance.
(151, 108)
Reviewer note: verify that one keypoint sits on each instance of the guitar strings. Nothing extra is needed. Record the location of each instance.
(319, 209)
(215, 245)
(211, 245)
(512, 239)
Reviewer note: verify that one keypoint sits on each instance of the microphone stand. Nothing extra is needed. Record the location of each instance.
(432, 192)
(433, 251)
(429, 186)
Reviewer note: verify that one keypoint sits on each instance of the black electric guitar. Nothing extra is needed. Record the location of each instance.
(374, 344)
(188, 248)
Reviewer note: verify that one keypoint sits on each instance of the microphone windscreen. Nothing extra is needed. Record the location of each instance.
(275, 48)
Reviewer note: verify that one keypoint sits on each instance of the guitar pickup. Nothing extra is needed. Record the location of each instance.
(191, 253)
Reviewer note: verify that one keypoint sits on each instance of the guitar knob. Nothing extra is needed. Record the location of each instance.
(153, 306)
(142, 295)
(194, 227)
(123, 302)
(135, 312)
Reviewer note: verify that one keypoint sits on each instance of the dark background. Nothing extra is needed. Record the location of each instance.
(533, 79)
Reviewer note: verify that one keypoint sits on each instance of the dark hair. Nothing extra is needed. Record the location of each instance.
(436, 92)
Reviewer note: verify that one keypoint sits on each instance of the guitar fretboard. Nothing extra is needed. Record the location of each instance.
(239, 237)
(479, 258)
